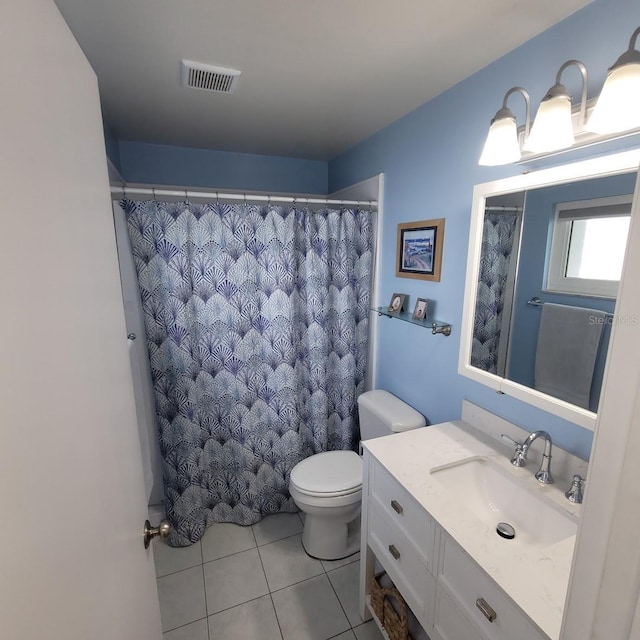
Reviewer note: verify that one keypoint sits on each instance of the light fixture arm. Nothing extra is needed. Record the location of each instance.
(559, 87)
(527, 102)
(631, 55)
(633, 40)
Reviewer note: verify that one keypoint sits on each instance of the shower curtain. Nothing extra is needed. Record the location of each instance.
(498, 235)
(256, 320)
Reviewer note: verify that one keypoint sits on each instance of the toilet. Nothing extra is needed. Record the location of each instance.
(327, 486)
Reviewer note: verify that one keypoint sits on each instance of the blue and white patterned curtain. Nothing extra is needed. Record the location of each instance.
(497, 247)
(257, 327)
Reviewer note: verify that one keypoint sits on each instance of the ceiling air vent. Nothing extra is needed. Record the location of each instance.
(209, 78)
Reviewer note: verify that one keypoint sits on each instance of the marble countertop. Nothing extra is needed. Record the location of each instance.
(535, 578)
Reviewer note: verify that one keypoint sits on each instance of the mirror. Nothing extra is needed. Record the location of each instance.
(516, 246)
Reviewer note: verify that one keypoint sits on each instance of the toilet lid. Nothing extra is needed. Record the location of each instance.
(328, 472)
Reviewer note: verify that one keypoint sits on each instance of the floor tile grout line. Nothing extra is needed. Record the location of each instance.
(271, 591)
(235, 553)
(206, 604)
(204, 588)
(264, 544)
(340, 603)
(273, 604)
(346, 564)
(339, 634)
(186, 624)
(253, 599)
(293, 584)
(275, 611)
(173, 573)
(240, 604)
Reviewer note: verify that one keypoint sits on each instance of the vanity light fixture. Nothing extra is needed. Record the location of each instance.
(618, 107)
(552, 129)
(502, 145)
(559, 126)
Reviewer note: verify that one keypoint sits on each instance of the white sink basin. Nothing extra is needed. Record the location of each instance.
(494, 494)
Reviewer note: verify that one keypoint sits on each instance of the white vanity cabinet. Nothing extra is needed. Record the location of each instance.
(449, 594)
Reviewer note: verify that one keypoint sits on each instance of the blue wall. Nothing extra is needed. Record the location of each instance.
(430, 162)
(160, 164)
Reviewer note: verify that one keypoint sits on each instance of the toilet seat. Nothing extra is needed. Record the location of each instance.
(329, 474)
(325, 494)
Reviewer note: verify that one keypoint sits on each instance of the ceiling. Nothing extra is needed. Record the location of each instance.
(318, 76)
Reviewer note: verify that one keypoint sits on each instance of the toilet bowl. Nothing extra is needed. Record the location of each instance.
(327, 486)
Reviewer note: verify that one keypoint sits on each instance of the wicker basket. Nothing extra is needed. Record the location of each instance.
(390, 609)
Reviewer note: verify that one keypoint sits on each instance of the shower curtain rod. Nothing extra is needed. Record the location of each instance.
(503, 209)
(252, 197)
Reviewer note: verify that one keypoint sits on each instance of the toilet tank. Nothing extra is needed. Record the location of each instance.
(381, 414)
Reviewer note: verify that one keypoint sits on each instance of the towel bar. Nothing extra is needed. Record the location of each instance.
(536, 302)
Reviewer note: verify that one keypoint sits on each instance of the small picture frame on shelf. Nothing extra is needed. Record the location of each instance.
(396, 305)
(421, 309)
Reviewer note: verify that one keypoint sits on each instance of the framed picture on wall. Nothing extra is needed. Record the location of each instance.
(421, 309)
(419, 252)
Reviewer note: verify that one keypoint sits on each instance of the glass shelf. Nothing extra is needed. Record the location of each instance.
(436, 326)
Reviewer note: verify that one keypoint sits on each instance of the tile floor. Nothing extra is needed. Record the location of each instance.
(257, 583)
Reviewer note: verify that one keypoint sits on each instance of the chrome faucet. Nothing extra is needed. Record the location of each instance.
(543, 475)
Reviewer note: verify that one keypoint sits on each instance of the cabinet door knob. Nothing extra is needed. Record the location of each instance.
(397, 507)
(486, 609)
(394, 551)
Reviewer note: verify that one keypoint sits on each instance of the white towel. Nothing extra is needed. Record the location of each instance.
(568, 342)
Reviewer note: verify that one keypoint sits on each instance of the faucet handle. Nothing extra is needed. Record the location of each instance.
(510, 440)
(574, 493)
(518, 460)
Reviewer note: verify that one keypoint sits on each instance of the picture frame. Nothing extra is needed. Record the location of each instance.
(396, 304)
(421, 309)
(419, 249)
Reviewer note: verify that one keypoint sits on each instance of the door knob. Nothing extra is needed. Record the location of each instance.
(163, 530)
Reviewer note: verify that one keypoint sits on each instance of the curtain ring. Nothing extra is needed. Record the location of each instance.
(124, 191)
(186, 197)
(217, 198)
(245, 198)
(153, 191)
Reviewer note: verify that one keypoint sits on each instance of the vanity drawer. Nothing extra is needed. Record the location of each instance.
(450, 623)
(405, 511)
(401, 561)
(473, 591)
